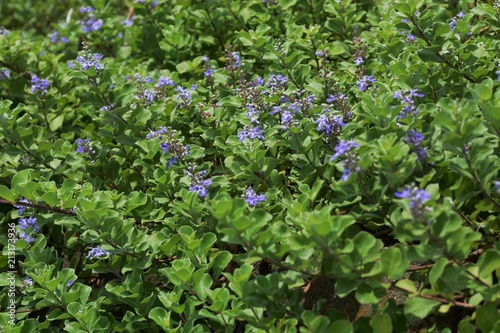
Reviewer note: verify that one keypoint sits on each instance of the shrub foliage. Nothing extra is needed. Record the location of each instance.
(257, 166)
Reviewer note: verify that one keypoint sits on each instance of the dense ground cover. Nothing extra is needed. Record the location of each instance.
(257, 166)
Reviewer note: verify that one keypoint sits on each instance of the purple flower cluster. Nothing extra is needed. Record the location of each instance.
(183, 97)
(277, 82)
(252, 198)
(417, 200)
(54, 38)
(84, 147)
(365, 82)
(251, 132)
(350, 163)
(407, 98)
(415, 138)
(358, 61)
(89, 60)
(165, 81)
(91, 23)
(22, 208)
(199, 181)
(128, 22)
(25, 223)
(39, 85)
(170, 144)
(330, 124)
(234, 60)
(97, 252)
(454, 20)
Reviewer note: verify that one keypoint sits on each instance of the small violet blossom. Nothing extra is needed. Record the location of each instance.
(89, 60)
(407, 99)
(365, 82)
(415, 138)
(39, 85)
(84, 146)
(358, 61)
(22, 208)
(165, 81)
(199, 181)
(97, 252)
(350, 163)
(252, 198)
(251, 132)
(417, 200)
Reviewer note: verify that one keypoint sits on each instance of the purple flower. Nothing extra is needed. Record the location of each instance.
(172, 161)
(358, 61)
(330, 124)
(5, 73)
(85, 10)
(331, 98)
(208, 72)
(128, 22)
(199, 181)
(498, 73)
(70, 283)
(97, 252)
(89, 60)
(71, 64)
(64, 40)
(84, 147)
(3, 31)
(252, 198)
(365, 82)
(417, 199)
(53, 37)
(28, 281)
(27, 238)
(319, 53)
(343, 147)
(415, 138)
(350, 163)
(149, 96)
(22, 208)
(234, 60)
(205, 58)
(453, 24)
(39, 85)
(91, 24)
(404, 20)
(251, 132)
(277, 82)
(157, 133)
(411, 38)
(259, 81)
(165, 81)
(407, 98)
(25, 223)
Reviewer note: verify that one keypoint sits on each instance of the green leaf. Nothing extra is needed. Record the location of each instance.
(7, 194)
(392, 263)
(430, 54)
(161, 317)
(418, 308)
(381, 323)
